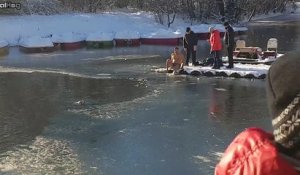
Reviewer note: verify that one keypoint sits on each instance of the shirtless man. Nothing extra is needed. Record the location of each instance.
(176, 61)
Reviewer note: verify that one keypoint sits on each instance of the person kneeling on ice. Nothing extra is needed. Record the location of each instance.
(257, 152)
(176, 61)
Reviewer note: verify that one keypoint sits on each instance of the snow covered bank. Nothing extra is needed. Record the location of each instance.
(36, 41)
(3, 43)
(163, 33)
(100, 36)
(13, 28)
(127, 35)
(69, 37)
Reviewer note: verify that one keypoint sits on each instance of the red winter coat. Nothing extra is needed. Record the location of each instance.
(215, 41)
(253, 152)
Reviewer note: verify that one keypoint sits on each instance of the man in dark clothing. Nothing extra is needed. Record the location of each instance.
(190, 41)
(229, 41)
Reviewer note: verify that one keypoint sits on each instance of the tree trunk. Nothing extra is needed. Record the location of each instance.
(252, 14)
(171, 21)
(229, 10)
(190, 9)
(220, 4)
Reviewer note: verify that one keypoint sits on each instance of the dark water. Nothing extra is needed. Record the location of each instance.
(130, 120)
(29, 99)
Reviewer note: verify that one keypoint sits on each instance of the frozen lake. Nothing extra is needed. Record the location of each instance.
(105, 112)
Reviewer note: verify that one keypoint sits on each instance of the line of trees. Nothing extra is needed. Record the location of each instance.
(165, 10)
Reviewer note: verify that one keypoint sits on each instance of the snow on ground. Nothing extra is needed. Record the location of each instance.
(203, 28)
(239, 28)
(3, 43)
(260, 60)
(126, 34)
(68, 37)
(13, 28)
(36, 41)
(100, 36)
(242, 69)
(163, 33)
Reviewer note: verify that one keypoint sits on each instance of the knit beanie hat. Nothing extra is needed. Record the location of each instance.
(283, 93)
(226, 24)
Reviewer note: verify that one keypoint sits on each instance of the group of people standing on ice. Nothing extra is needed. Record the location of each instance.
(190, 41)
(216, 45)
(255, 151)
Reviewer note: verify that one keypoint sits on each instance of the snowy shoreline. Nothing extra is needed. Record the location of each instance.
(290, 15)
(121, 25)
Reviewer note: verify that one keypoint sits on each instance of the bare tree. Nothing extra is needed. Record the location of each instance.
(165, 11)
(162, 9)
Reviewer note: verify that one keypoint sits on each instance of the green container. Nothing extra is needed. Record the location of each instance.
(99, 44)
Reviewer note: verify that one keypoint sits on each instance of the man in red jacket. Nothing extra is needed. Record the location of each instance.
(215, 47)
(256, 152)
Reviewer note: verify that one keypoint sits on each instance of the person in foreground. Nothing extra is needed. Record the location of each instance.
(215, 47)
(257, 152)
(176, 61)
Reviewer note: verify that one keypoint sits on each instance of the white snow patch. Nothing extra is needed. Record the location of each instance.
(220, 89)
(240, 28)
(142, 23)
(163, 33)
(100, 36)
(3, 43)
(260, 60)
(69, 37)
(201, 159)
(127, 35)
(62, 72)
(36, 41)
(242, 69)
(204, 28)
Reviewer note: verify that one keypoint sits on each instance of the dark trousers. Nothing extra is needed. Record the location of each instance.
(190, 51)
(217, 61)
(230, 55)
